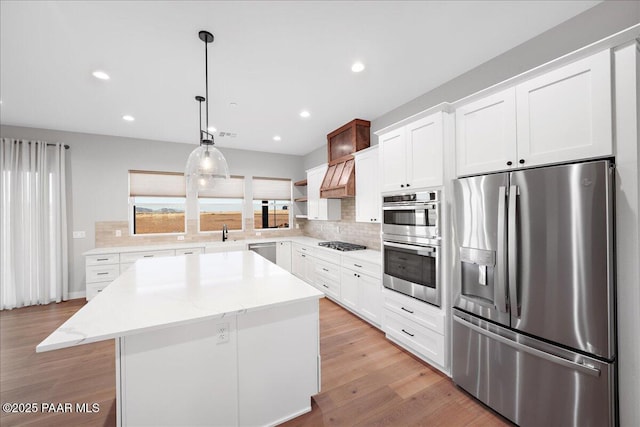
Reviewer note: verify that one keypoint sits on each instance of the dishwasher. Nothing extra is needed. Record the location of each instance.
(266, 250)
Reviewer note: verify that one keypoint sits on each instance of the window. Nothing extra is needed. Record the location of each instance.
(157, 202)
(271, 203)
(222, 205)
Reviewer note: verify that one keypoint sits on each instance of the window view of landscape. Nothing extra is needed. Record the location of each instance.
(158, 215)
(271, 213)
(216, 212)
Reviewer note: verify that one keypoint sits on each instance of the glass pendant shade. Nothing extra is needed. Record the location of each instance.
(205, 167)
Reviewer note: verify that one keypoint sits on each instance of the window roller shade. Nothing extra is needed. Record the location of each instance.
(271, 189)
(156, 184)
(232, 188)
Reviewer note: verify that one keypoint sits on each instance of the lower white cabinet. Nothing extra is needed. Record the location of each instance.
(416, 326)
(301, 262)
(361, 289)
(326, 277)
(283, 255)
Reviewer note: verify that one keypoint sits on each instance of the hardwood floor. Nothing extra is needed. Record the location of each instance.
(366, 380)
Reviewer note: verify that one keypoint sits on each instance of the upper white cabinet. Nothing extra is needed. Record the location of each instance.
(486, 133)
(368, 199)
(559, 116)
(317, 208)
(566, 114)
(412, 155)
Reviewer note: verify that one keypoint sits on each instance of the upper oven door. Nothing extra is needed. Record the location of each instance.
(420, 220)
(412, 270)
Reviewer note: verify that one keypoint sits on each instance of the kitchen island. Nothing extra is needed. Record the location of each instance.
(216, 339)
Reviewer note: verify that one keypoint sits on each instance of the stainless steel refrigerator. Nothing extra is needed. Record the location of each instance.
(534, 309)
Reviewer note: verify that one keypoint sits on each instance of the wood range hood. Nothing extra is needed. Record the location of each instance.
(340, 180)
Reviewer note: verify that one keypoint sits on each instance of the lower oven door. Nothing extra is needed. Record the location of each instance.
(412, 270)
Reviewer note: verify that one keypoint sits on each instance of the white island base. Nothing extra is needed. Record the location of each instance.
(263, 374)
(226, 339)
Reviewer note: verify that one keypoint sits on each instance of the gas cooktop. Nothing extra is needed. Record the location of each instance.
(342, 246)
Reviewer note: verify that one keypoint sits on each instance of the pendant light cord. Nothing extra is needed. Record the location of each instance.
(206, 84)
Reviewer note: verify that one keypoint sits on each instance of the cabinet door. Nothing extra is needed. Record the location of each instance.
(298, 264)
(566, 114)
(392, 155)
(370, 298)
(314, 180)
(368, 201)
(349, 289)
(486, 134)
(283, 255)
(424, 147)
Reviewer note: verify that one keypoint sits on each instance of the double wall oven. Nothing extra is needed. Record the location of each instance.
(411, 244)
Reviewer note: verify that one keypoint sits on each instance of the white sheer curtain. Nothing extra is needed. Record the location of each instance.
(33, 224)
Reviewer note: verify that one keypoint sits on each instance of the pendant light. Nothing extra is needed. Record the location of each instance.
(206, 164)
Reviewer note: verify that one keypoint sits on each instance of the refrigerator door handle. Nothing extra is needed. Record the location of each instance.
(584, 368)
(500, 289)
(513, 250)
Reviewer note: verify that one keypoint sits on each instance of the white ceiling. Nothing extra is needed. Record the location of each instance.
(273, 59)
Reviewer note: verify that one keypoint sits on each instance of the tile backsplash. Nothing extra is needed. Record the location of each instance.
(345, 230)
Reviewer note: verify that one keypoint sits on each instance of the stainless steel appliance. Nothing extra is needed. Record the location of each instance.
(411, 245)
(413, 214)
(342, 246)
(534, 317)
(266, 250)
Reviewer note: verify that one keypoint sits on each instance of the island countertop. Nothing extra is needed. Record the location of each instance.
(162, 292)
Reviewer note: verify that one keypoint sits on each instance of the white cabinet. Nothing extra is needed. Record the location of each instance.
(417, 326)
(326, 277)
(226, 247)
(559, 116)
(412, 156)
(486, 134)
(566, 114)
(100, 270)
(368, 199)
(318, 208)
(283, 255)
(301, 262)
(361, 288)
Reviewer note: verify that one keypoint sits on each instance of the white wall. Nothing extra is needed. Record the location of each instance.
(98, 173)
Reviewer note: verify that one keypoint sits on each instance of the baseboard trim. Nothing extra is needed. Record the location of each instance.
(77, 294)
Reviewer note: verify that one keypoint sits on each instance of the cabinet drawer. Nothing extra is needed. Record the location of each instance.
(134, 256)
(326, 255)
(330, 272)
(414, 310)
(190, 251)
(366, 267)
(417, 338)
(94, 289)
(102, 273)
(102, 259)
(328, 286)
(302, 248)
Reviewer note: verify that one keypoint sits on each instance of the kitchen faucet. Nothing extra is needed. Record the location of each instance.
(225, 231)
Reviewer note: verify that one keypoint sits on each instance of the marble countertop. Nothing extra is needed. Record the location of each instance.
(162, 292)
(365, 255)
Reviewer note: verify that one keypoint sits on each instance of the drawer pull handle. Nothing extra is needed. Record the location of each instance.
(148, 256)
(408, 311)
(103, 259)
(188, 253)
(326, 286)
(358, 265)
(324, 269)
(408, 333)
(103, 274)
(303, 256)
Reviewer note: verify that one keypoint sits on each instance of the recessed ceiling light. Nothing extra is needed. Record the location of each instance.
(277, 138)
(128, 118)
(101, 75)
(304, 113)
(211, 129)
(357, 67)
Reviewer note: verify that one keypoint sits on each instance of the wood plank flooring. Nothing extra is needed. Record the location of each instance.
(366, 380)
